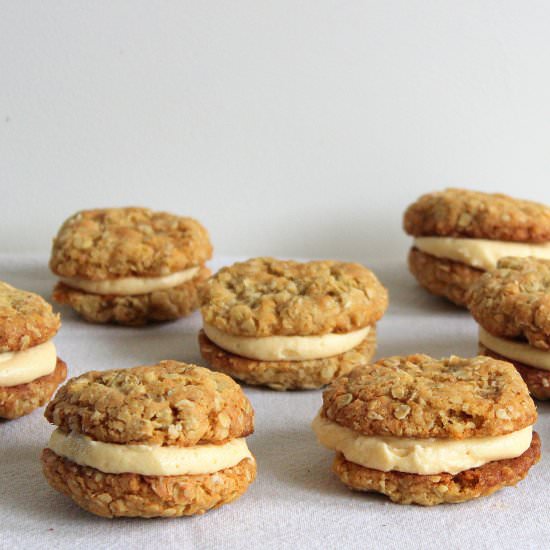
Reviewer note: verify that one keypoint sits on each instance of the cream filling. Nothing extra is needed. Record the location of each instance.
(286, 348)
(479, 253)
(148, 460)
(21, 367)
(419, 456)
(517, 351)
(132, 285)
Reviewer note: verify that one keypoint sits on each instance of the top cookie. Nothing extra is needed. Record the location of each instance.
(124, 242)
(461, 213)
(421, 397)
(513, 301)
(265, 296)
(26, 319)
(170, 403)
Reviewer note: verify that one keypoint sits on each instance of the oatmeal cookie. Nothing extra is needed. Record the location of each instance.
(265, 296)
(135, 310)
(26, 319)
(462, 213)
(287, 375)
(443, 277)
(421, 397)
(162, 440)
(16, 401)
(171, 403)
(428, 490)
(513, 301)
(120, 242)
(134, 495)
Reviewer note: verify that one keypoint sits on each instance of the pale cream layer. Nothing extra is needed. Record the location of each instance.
(127, 286)
(21, 367)
(286, 348)
(517, 351)
(479, 253)
(148, 460)
(419, 456)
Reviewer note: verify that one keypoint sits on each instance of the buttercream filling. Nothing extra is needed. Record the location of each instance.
(148, 460)
(286, 348)
(419, 456)
(479, 253)
(127, 286)
(517, 351)
(21, 367)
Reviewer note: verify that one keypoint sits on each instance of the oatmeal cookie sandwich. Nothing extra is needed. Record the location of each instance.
(429, 431)
(512, 306)
(460, 234)
(130, 266)
(290, 325)
(30, 370)
(154, 441)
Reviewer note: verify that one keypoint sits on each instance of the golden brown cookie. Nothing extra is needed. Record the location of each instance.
(26, 319)
(287, 375)
(429, 490)
(443, 277)
(422, 397)
(266, 297)
(161, 305)
(120, 242)
(537, 380)
(130, 266)
(459, 234)
(427, 431)
(16, 401)
(161, 440)
(513, 301)
(30, 370)
(290, 325)
(463, 213)
(134, 495)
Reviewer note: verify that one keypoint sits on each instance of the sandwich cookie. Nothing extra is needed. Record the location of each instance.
(460, 234)
(428, 431)
(130, 266)
(154, 441)
(30, 370)
(290, 325)
(512, 306)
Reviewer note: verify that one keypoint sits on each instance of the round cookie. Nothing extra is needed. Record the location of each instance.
(285, 307)
(30, 370)
(418, 401)
(460, 233)
(130, 265)
(512, 303)
(283, 375)
(181, 410)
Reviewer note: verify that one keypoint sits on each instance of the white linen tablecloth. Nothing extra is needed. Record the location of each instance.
(296, 502)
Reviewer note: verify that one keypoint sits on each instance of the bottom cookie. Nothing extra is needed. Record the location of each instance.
(16, 401)
(135, 495)
(537, 380)
(135, 310)
(287, 375)
(443, 277)
(428, 490)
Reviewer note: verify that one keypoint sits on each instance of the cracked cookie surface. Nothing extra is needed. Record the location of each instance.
(123, 242)
(461, 213)
(417, 396)
(265, 297)
(513, 301)
(170, 403)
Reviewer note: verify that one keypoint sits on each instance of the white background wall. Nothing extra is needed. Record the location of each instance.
(292, 128)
